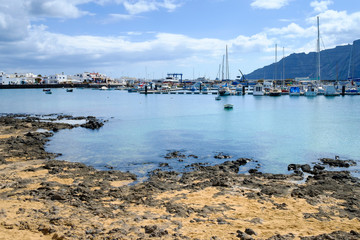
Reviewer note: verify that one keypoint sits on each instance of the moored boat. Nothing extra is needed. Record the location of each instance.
(275, 92)
(330, 90)
(310, 91)
(224, 91)
(258, 90)
(228, 106)
(294, 91)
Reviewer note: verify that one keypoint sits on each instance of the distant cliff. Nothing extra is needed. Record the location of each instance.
(334, 65)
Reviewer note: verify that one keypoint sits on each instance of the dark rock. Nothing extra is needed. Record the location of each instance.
(335, 235)
(155, 231)
(251, 171)
(174, 154)
(249, 231)
(243, 236)
(163, 165)
(306, 168)
(294, 167)
(93, 124)
(222, 156)
(289, 236)
(2, 160)
(338, 162)
(318, 167)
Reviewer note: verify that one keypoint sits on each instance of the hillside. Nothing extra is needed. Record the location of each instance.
(334, 65)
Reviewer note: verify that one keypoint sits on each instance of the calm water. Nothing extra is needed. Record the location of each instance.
(275, 131)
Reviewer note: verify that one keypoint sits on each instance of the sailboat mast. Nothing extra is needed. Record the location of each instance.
(318, 50)
(227, 64)
(283, 75)
(222, 71)
(275, 62)
(350, 61)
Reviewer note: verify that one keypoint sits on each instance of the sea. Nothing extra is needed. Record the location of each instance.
(141, 129)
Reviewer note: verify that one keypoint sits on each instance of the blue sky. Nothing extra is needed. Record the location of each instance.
(149, 38)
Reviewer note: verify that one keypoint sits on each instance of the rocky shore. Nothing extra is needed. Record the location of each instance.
(42, 198)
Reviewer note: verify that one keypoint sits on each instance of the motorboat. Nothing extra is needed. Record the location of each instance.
(294, 91)
(320, 90)
(352, 91)
(104, 88)
(69, 90)
(285, 91)
(224, 91)
(310, 91)
(330, 90)
(275, 92)
(258, 90)
(217, 98)
(228, 106)
(249, 90)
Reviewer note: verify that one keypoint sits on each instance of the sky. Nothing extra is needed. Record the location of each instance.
(150, 38)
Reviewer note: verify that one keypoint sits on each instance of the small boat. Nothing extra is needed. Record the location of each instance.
(48, 92)
(275, 92)
(132, 90)
(224, 91)
(69, 90)
(228, 106)
(310, 91)
(46, 89)
(294, 91)
(217, 98)
(352, 91)
(104, 88)
(330, 90)
(258, 90)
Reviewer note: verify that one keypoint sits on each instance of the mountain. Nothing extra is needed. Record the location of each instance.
(335, 64)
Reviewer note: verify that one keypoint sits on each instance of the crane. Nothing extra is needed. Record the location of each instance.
(243, 77)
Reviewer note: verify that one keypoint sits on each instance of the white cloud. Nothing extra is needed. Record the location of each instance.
(292, 30)
(147, 6)
(118, 17)
(12, 26)
(270, 4)
(321, 6)
(56, 8)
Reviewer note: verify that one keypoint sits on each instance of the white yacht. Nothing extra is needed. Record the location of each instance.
(310, 91)
(259, 90)
(330, 90)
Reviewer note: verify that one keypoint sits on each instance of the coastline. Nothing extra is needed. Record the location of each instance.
(49, 199)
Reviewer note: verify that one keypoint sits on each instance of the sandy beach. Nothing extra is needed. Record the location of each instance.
(42, 198)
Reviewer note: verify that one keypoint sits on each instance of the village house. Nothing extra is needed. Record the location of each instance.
(18, 78)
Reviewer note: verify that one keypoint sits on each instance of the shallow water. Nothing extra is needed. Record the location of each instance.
(275, 131)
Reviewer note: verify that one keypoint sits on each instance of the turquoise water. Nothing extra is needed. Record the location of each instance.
(141, 129)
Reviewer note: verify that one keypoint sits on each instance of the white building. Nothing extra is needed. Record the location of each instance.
(56, 79)
(17, 78)
(82, 77)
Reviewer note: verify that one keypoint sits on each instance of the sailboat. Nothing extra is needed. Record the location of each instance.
(275, 91)
(225, 89)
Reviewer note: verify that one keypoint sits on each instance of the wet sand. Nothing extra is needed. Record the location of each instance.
(42, 198)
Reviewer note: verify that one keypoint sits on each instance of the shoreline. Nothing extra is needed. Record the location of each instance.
(50, 199)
